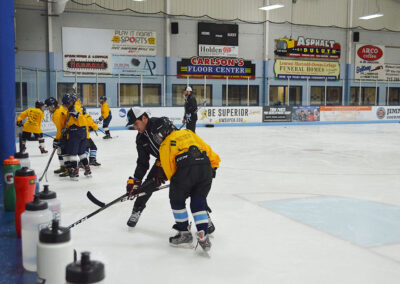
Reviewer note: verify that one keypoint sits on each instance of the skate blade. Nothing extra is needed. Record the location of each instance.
(185, 246)
(74, 178)
(88, 176)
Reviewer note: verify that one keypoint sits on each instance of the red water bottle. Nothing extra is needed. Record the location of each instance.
(25, 183)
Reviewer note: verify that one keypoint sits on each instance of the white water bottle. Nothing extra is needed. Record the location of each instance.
(85, 271)
(54, 252)
(51, 198)
(36, 217)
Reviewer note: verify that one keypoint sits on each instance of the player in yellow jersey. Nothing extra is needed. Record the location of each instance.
(32, 125)
(59, 118)
(105, 116)
(75, 146)
(190, 164)
(91, 149)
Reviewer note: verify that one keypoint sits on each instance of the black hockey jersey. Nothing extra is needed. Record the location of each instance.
(190, 107)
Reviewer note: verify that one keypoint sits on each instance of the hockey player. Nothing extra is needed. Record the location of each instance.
(105, 116)
(190, 164)
(190, 116)
(59, 118)
(76, 139)
(32, 125)
(146, 147)
(91, 147)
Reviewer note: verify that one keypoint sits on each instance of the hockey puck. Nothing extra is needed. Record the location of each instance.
(209, 125)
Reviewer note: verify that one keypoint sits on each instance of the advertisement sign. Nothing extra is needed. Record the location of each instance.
(392, 72)
(87, 63)
(347, 113)
(216, 68)
(103, 51)
(218, 50)
(387, 112)
(131, 42)
(369, 62)
(138, 65)
(305, 69)
(306, 113)
(307, 48)
(229, 115)
(277, 114)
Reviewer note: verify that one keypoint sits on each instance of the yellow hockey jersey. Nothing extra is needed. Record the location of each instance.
(105, 110)
(90, 123)
(59, 118)
(178, 142)
(80, 121)
(34, 121)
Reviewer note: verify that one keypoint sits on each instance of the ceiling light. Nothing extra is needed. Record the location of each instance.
(271, 7)
(371, 16)
(139, 0)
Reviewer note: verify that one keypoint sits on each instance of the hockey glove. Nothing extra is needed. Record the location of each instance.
(56, 143)
(101, 118)
(132, 186)
(159, 176)
(19, 123)
(214, 172)
(90, 129)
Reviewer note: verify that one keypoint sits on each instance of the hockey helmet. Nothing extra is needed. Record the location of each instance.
(68, 98)
(103, 98)
(51, 102)
(133, 114)
(161, 129)
(39, 104)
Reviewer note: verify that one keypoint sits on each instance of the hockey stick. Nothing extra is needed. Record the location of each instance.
(48, 135)
(48, 164)
(102, 204)
(119, 199)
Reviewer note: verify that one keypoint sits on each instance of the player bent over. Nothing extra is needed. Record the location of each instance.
(59, 118)
(105, 116)
(32, 125)
(190, 164)
(76, 139)
(91, 149)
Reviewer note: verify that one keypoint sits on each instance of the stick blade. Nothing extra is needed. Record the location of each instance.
(94, 199)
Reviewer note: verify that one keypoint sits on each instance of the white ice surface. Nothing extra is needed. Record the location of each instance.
(251, 244)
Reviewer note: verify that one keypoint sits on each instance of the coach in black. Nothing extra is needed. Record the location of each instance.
(190, 116)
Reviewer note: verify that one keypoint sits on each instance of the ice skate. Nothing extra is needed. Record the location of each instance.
(64, 173)
(93, 162)
(134, 217)
(74, 173)
(203, 240)
(43, 150)
(60, 170)
(182, 239)
(88, 172)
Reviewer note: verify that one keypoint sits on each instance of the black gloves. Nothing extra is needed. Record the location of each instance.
(132, 186)
(19, 123)
(214, 172)
(159, 176)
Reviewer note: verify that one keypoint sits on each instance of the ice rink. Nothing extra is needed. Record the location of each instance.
(291, 204)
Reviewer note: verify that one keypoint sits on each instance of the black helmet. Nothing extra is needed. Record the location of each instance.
(51, 102)
(83, 110)
(162, 127)
(39, 104)
(103, 98)
(68, 98)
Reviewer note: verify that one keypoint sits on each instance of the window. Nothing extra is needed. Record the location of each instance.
(129, 94)
(86, 92)
(279, 95)
(394, 96)
(368, 96)
(151, 95)
(198, 91)
(237, 95)
(333, 96)
(18, 105)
